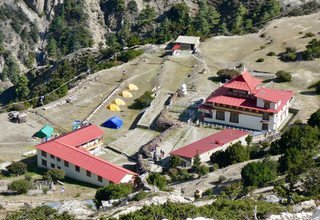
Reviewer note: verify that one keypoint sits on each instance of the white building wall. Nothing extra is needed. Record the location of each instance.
(70, 171)
(245, 121)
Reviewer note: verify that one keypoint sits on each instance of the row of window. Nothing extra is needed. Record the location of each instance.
(66, 164)
(234, 117)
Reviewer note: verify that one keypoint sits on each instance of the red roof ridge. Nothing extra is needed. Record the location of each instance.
(95, 157)
(65, 134)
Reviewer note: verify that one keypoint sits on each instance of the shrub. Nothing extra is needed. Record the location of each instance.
(143, 101)
(40, 212)
(129, 55)
(314, 119)
(237, 153)
(215, 166)
(260, 60)
(140, 196)
(20, 186)
(227, 73)
(309, 34)
(158, 180)
(112, 191)
(54, 175)
(271, 54)
(284, 76)
(17, 168)
(222, 179)
(302, 137)
(295, 161)
(312, 182)
(175, 161)
(289, 55)
(259, 173)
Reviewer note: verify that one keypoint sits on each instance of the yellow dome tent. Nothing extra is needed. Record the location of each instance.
(126, 94)
(132, 87)
(119, 102)
(114, 108)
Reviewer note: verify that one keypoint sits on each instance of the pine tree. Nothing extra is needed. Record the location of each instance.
(22, 90)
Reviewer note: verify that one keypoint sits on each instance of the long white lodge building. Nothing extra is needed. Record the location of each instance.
(241, 103)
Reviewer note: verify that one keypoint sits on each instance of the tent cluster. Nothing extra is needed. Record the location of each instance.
(115, 122)
(114, 106)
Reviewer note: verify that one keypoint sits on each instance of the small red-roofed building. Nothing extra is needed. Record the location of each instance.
(242, 103)
(206, 146)
(71, 152)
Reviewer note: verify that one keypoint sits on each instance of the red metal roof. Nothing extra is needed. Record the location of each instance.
(59, 147)
(220, 96)
(209, 143)
(244, 82)
(81, 135)
(273, 95)
(176, 47)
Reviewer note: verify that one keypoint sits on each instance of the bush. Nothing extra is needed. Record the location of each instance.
(259, 173)
(17, 168)
(271, 54)
(309, 34)
(222, 179)
(112, 191)
(54, 175)
(140, 196)
(314, 119)
(158, 180)
(143, 101)
(284, 76)
(260, 60)
(295, 161)
(20, 186)
(129, 55)
(302, 137)
(175, 161)
(40, 212)
(289, 55)
(227, 73)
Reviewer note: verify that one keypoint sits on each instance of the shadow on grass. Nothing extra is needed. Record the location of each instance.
(135, 106)
(215, 79)
(32, 166)
(79, 183)
(310, 93)
(135, 122)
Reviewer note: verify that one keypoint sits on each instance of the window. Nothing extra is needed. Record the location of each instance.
(77, 168)
(66, 163)
(99, 178)
(265, 116)
(208, 115)
(264, 126)
(52, 156)
(220, 115)
(234, 117)
(44, 154)
(52, 165)
(59, 168)
(44, 162)
(267, 105)
(88, 173)
(58, 159)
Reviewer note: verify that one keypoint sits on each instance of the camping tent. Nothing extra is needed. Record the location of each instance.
(119, 102)
(126, 94)
(45, 132)
(132, 87)
(114, 108)
(115, 123)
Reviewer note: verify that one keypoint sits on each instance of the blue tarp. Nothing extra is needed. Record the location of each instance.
(115, 123)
